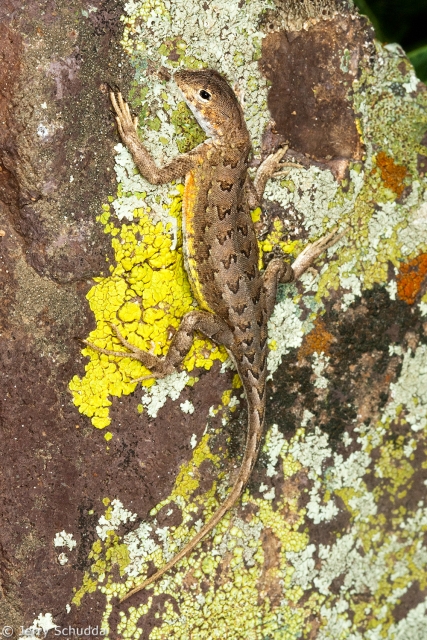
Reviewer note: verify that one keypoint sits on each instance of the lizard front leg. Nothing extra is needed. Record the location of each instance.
(127, 126)
(207, 323)
(255, 188)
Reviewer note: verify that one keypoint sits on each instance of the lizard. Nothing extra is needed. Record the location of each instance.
(221, 256)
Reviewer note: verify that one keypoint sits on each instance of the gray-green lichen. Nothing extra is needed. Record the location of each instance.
(235, 587)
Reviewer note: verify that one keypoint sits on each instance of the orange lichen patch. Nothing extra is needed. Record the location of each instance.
(392, 174)
(410, 278)
(318, 340)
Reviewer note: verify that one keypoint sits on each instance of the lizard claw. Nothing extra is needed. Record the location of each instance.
(126, 124)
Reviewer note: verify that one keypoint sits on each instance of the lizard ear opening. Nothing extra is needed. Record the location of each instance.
(205, 95)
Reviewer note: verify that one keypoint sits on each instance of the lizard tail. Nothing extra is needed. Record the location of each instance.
(255, 425)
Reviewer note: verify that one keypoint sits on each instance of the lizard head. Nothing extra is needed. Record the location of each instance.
(213, 103)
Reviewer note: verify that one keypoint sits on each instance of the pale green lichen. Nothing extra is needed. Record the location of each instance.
(366, 555)
(237, 550)
(410, 390)
(228, 39)
(376, 560)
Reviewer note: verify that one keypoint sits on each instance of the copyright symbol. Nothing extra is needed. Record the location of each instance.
(7, 632)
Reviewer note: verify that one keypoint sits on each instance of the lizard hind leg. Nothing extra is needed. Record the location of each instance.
(280, 271)
(150, 361)
(207, 323)
(271, 166)
(313, 250)
(277, 271)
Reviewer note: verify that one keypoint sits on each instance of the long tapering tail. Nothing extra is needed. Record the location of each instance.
(255, 426)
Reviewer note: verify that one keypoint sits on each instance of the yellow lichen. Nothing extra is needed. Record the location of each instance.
(145, 296)
(276, 239)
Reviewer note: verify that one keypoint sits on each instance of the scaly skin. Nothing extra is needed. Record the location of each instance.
(221, 255)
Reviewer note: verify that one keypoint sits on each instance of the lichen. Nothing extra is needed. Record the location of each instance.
(146, 294)
(237, 550)
(411, 277)
(392, 174)
(235, 586)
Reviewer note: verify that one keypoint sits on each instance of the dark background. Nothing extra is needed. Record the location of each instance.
(402, 21)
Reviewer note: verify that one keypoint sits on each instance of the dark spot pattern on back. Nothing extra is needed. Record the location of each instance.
(252, 273)
(248, 341)
(225, 186)
(256, 297)
(232, 258)
(246, 251)
(250, 356)
(242, 324)
(225, 235)
(240, 308)
(234, 286)
(256, 374)
(223, 212)
(243, 229)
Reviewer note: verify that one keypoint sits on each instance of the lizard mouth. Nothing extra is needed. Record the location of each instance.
(203, 122)
(187, 92)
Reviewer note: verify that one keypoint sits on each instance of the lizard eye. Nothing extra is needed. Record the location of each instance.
(205, 94)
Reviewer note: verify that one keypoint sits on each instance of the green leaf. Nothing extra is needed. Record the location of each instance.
(418, 58)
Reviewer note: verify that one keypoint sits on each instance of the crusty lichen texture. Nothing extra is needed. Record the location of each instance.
(263, 572)
(145, 297)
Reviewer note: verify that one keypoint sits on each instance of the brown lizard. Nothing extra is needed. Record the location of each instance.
(221, 255)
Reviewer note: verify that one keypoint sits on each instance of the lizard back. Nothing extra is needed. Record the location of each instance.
(220, 245)
(221, 256)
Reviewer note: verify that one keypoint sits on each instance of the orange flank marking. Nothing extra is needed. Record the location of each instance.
(188, 203)
(189, 199)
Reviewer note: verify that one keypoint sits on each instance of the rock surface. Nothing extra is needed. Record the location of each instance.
(100, 478)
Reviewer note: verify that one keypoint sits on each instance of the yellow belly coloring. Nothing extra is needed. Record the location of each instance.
(188, 201)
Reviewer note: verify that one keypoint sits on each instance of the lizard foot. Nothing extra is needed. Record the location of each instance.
(291, 165)
(127, 125)
(154, 363)
(281, 264)
(313, 250)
